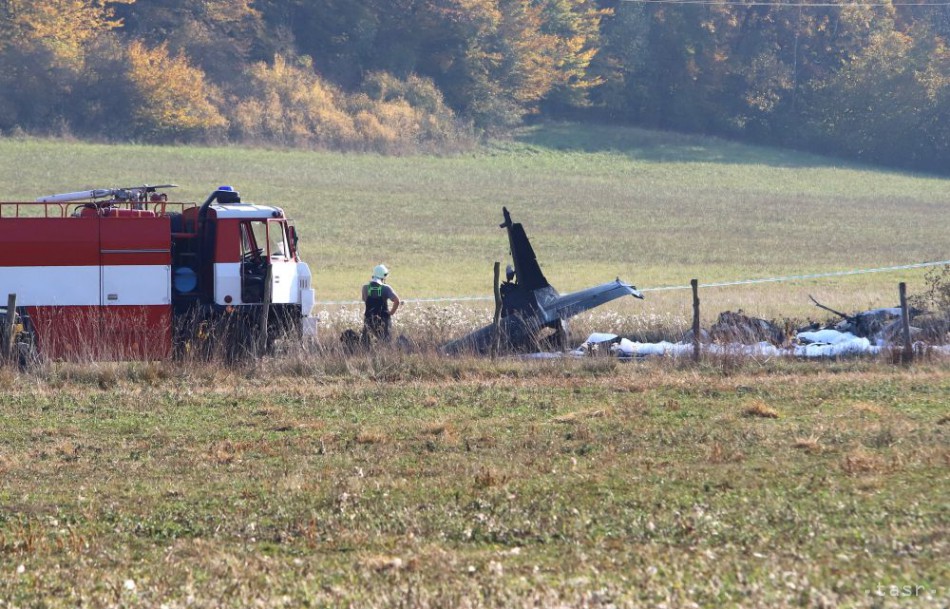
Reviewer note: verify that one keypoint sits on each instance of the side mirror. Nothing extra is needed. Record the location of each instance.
(293, 237)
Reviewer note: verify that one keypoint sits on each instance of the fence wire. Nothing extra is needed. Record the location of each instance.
(670, 288)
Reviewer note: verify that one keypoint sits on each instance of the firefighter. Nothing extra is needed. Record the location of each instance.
(378, 316)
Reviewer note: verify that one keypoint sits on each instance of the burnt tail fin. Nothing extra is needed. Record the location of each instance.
(527, 270)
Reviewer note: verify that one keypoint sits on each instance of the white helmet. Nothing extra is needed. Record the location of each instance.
(380, 272)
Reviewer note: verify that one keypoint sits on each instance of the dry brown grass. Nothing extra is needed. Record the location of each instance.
(718, 453)
(67, 450)
(869, 408)
(591, 413)
(487, 477)
(760, 409)
(809, 444)
(371, 436)
(380, 563)
(443, 431)
(222, 453)
(8, 376)
(7, 463)
(860, 461)
(439, 428)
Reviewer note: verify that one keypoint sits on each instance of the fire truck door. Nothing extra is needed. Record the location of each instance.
(283, 266)
(135, 284)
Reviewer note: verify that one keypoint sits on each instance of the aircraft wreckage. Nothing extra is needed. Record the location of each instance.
(529, 305)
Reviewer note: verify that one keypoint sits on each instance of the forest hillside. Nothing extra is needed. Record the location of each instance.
(863, 80)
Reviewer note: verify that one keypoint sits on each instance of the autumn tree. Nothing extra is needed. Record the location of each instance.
(890, 103)
(494, 60)
(350, 38)
(220, 36)
(576, 27)
(43, 49)
(287, 103)
(62, 27)
(172, 99)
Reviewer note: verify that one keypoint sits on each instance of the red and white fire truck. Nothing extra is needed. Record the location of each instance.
(125, 274)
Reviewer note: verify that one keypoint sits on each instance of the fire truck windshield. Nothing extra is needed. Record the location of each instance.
(257, 234)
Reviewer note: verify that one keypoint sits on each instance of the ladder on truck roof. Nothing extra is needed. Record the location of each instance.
(57, 209)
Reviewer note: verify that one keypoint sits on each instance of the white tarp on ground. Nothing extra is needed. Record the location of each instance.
(822, 343)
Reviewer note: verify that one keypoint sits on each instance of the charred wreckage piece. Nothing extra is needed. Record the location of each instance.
(883, 325)
(530, 305)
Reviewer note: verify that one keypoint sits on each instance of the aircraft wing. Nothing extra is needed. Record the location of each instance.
(569, 305)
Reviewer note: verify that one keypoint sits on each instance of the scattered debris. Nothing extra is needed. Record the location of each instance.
(867, 324)
(734, 333)
(737, 327)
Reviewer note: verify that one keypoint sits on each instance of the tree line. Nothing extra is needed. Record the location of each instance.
(853, 79)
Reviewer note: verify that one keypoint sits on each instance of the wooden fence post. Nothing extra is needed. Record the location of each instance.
(908, 354)
(8, 326)
(496, 326)
(694, 283)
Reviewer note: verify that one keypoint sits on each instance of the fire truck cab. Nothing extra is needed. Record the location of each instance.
(125, 274)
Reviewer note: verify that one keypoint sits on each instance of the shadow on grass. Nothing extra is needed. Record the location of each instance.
(665, 147)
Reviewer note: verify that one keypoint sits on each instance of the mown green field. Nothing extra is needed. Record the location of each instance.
(655, 209)
(405, 481)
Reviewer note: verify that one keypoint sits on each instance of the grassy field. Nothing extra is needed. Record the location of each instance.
(404, 481)
(408, 480)
(655, 209)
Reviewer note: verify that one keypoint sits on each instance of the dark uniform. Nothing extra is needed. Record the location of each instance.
(376, 319)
